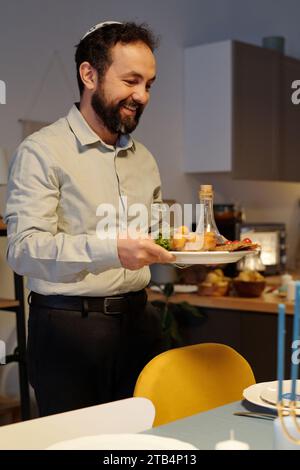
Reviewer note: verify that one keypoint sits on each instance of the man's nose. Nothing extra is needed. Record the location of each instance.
(141, 95)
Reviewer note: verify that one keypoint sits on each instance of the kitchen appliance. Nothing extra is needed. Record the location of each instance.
(272, 239)
(163, 274)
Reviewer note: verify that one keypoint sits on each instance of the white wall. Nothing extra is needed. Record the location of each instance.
(29, 33)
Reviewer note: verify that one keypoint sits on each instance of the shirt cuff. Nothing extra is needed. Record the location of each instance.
(103, 253)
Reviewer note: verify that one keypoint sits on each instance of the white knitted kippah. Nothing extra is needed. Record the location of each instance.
(98, 26)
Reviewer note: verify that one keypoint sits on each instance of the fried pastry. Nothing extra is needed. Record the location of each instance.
(236, 246)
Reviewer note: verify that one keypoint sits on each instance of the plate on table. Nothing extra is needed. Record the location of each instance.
(209, 257)
(122, 442)
(256, 393)
(269, 394)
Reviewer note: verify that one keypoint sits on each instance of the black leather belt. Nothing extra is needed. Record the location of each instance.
(111, 305)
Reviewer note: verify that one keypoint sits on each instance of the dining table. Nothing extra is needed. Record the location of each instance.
(204, 430)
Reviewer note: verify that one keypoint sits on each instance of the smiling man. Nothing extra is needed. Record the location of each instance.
(90, 328)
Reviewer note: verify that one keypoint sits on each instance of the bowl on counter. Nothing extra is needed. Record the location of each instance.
(249, 288)
(213, 290)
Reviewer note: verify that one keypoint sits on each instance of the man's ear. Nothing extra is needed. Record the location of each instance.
(88, 76)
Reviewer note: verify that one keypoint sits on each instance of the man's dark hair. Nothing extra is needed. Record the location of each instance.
(95, 48)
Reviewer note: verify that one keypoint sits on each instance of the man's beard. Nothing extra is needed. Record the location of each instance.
(111, 117)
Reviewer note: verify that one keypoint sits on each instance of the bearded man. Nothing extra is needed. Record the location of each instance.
(90, 328)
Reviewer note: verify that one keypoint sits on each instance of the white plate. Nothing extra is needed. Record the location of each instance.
(122, 442)
(209, 257)
(253, 394)
(178, 288)
(269, 394)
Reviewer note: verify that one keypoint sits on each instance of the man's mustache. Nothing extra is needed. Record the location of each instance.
(139, 107)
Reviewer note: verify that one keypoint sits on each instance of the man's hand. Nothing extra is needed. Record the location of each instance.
(136, 253)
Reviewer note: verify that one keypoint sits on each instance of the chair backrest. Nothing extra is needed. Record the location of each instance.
(188, 380)
(131, 415)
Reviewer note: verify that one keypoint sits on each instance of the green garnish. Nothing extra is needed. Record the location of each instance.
(163, 242)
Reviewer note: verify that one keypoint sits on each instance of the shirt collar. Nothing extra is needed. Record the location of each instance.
(86, 135)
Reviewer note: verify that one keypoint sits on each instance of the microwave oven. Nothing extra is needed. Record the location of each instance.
(272, 239)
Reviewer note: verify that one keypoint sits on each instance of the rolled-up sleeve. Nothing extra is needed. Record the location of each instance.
(35, 246)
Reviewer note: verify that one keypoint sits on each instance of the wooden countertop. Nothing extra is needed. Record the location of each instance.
(266, 303)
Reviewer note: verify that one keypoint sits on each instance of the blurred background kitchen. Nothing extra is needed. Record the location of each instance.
(37, 64)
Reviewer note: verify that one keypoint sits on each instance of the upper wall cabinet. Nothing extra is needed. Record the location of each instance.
(238, 112)
(289, 165)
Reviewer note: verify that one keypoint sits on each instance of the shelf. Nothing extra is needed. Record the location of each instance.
(8, 303)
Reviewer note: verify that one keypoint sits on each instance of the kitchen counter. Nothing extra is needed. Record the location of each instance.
(266, 303)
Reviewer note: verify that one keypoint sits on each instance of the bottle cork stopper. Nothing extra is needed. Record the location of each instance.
(206, 190)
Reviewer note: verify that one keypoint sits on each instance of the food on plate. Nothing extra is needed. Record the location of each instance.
(210, 241)
(183, 229)
(163, 242)
(178, 242)
(215, 284)
(237, 245)
(183, 240)
(194, 242)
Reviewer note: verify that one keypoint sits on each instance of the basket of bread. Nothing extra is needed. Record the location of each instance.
(215, 284)
(249, 284)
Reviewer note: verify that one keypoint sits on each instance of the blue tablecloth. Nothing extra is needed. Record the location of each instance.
(205, 429)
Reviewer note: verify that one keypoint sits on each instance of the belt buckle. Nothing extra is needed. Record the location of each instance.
(106, 304)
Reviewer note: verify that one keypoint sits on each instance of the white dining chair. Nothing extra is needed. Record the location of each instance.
(131, 415)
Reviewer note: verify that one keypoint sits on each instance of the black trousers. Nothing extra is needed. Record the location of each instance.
(78, 360)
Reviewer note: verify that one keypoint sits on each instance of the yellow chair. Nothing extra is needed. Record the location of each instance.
(188, 380)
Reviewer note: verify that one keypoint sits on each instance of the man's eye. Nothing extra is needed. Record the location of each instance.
(131, 82)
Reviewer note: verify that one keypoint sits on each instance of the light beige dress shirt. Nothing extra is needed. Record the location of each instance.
(57, 179)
